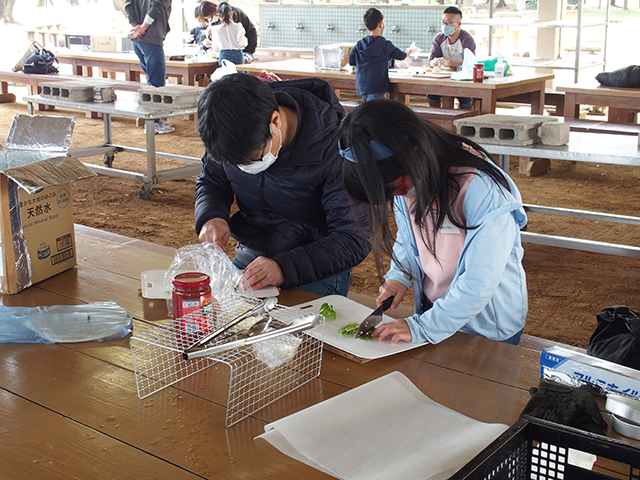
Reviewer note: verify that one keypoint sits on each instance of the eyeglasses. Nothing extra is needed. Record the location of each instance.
(450, 22)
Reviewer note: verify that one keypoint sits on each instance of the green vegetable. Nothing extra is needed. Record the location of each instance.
(367, 335)
(351, 329)
(328, 311)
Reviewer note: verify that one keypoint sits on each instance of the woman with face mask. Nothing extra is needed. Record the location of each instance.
(458, 223)
(448, 48)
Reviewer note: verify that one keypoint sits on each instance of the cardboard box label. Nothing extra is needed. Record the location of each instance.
(103, 43)
(575, 369)
(47, 224)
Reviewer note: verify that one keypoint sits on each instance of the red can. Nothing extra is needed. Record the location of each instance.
(191, 293)
(478, 72)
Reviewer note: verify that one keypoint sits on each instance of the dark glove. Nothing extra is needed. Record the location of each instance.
(574, 407)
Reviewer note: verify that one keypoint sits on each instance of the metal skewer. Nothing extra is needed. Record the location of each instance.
(264, 306)
(304, 323)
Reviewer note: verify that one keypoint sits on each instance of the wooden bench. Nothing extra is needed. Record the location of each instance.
(552, 98)
(33, 80)
(443, 117)
(623, 103)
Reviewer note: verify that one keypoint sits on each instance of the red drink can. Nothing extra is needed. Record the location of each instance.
(478, 72)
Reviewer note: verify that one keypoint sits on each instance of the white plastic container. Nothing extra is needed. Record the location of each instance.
(499, 68)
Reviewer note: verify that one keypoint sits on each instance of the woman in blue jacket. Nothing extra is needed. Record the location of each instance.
(458, 225)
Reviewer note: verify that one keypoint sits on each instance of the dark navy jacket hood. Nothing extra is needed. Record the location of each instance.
(296, 212)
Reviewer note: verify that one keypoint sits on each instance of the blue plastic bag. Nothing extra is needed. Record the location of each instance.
(93, 322)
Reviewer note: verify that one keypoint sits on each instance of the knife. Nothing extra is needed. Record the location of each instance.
(374, 319)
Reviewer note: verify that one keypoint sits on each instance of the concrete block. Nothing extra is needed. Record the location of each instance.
(502, 129)
(74, 90)
(554, 133)
(176, 95)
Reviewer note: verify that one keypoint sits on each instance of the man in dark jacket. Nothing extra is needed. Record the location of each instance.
(273, 148)
(149, 20)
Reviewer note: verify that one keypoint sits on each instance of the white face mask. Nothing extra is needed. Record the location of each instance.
(410, 193)
(269, 159)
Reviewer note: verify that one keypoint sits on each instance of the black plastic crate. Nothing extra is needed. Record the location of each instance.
(534, 449)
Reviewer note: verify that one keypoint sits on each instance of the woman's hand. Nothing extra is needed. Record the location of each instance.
(391, 288)
(396, 330)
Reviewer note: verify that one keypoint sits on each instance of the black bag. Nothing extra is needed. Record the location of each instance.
(41, 62)
(617, 337)
(628, 77)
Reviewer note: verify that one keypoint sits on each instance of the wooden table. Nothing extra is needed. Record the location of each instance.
(623, 103)
(71, 410)
(84, 62)
(486, 94)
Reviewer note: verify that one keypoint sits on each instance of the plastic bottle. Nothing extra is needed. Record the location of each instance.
(499, 68)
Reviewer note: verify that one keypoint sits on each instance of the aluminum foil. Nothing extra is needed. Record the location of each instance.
(40, 133)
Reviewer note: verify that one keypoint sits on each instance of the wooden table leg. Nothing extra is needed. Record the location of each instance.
(537, 101)
(571, 107)
(5, 96)
(447, 102)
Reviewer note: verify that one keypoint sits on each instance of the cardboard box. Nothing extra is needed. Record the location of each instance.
(575, 369)
(332, 57)
(77, 42)
(103, 43)
(36, 218)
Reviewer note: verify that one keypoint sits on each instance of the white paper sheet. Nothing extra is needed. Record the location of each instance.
(384, 429)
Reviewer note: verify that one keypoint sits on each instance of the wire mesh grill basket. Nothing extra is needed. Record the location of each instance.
(254, 380)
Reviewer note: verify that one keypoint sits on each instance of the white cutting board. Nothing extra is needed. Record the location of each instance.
(349, 311)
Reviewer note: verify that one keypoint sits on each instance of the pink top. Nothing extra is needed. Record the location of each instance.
(439, 271)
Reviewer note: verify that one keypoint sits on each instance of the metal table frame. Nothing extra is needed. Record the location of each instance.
(127, 105)
(582, 147)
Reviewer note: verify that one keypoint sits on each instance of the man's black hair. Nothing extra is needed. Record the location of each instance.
(234, 114)
(454, 10)
(372, 18)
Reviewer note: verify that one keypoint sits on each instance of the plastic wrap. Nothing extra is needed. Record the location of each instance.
(277, 351)
(93, 322)
(209, 258)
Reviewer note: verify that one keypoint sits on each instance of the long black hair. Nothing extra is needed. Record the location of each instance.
(225, 11)
(419, 149)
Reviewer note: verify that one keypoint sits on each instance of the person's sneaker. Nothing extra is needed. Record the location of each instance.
(162, 129)
(164, 123)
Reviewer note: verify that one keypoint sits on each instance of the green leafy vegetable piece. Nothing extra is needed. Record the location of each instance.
(328, 311)
(349, 330)
(367, 335)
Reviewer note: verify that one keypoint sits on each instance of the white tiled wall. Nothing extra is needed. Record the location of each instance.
(278, 24)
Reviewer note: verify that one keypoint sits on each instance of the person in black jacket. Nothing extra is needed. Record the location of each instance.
(272, 147)
(207, 10)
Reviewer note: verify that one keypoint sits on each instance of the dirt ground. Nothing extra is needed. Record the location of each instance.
(567, 288)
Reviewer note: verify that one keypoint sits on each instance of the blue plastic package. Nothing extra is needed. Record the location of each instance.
(93, 322)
